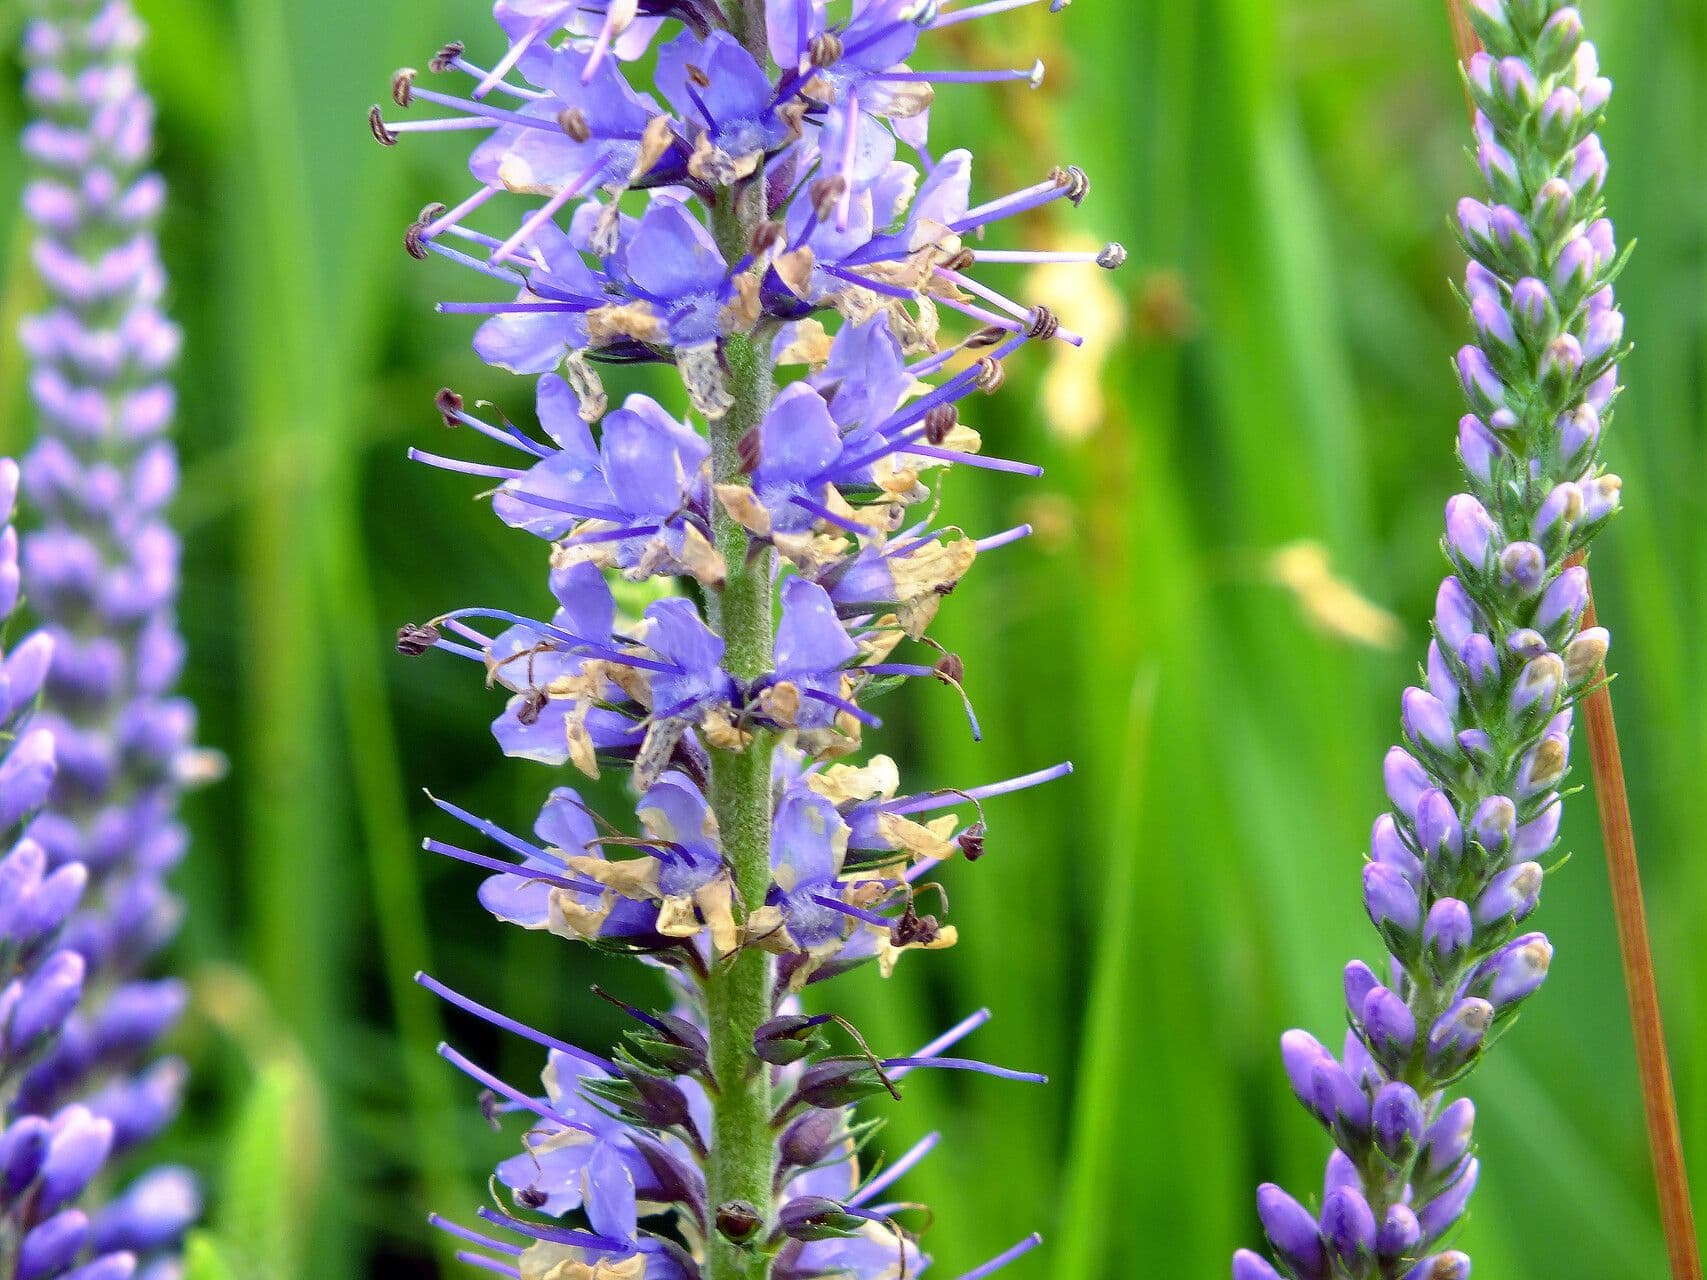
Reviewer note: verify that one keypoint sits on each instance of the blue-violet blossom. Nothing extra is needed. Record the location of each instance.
(768, 199)
(1457, 864)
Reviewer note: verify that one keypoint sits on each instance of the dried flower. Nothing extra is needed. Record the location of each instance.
(1476, 788)
(751, 209)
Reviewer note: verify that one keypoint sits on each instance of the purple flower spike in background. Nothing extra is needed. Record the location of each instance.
(1458, 865)
(101, 569)
(770, 200)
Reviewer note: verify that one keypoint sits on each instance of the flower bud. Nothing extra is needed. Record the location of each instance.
(49, 1249)
(1389, 1029)
(1348, 1227)
(1388, 847)
(1455, 614)
(1293, 1233)
(1585, 655)
(1587, 176)
(1497, 337)
(1405, 779)
(810, 1138)
(1537, 836)
(1515, 972)
(44, 1002)
(1494, 825)
(1457, 1036)
(1527, 644)
(1515, 86)
(1509, 897)
(1523, 566)
(816, 1218)
(1476, 229)
(1600, 499)
(77, 1147)
(1446, 937)
(1393, 907)
(1440, 836)
(1359, 980)
(1536, 695)
(1557, 517)
(1499, 168)
(1534, 312)
(1428, 724)
(1561, 36)
(1440, 1214)
(1396, 1120)
(738, 1221)
(1483, 390)
(1561, 119)
(1491, 23)
(1451, 1265)
(1573, 272)
(1479, 282)
(1300, 1053)
(1579, 437)
(1339, 1172)
(1602, 338)
(1399, 1233)
(1251, 1266)
(1514, 241)
(1561, 362)
(1562, 605)
(1543, 765)
(1470, 532)
(1477, 449)
(1340, 1101)
(1481, 663)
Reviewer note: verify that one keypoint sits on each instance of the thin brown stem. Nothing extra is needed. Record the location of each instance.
(1606, 763)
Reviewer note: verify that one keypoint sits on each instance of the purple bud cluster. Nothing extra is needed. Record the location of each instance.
(101, 570)
(731, 580)
(48, 1158)
(1456, 866)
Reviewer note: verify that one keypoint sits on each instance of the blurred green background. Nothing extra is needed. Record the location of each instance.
(1236, 554)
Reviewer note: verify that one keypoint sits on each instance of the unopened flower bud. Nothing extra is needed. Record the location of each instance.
(1428, 724)
(1585, 654)
(1562, 604)
(1523, 566)
(1396, 1120)
(1516, 971)
(1470, 533)
(1442, 1213)
(1447, 935)
(1542, 766)
(1292, 1231)
(1400, 1232)
(1477, 448)
(1483, 389)
(1534, 312)
(1561, 36)
(1560, 510)
(1393, 907)
(1457, 1036)
(1536, 695)
(1348, 1228)
(1510, 896)
(1389, 1029)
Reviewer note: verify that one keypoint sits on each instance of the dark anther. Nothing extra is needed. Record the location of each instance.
(951, 668)
(825, 49)
(532, 705)
(697, 77)
(939, 421)
(1073, 178)
(415, 238)
(971, 841)
(991, 375)
(989, 336)
(738, 1221)
(961, 261)
(489, 1109)
(403, 86)
(441, 63)
(415, 638)
(533, 1197)
(766, 237)
(1113, 256)
(826, 194)
(911, 927)
(449, 404)
(573, 121)
(748, 449)
(1044, 325)
(376, 122)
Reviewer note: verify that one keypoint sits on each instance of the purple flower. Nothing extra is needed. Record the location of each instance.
(1457, 867)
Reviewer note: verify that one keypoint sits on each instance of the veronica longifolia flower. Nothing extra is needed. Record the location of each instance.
(102, 571)
(767, 198)
(1459, 862)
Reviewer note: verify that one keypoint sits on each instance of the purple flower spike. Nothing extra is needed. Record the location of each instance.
(1488, 743)
(657, 182)
(102, 570)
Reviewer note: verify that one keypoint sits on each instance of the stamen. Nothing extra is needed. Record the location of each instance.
(472, 1236)
(903, 1165)
(484, 109)
(955, 1034)
(557, 1235)
(989, 9)
(511, 1025)
(549, 209)
(1001, 1260)
(967, 1064)
(457, 214)
(996, 540)
(842, 704)
(1032, 75)
(509, 868)
(486, 1264)
(482, 1076)
(978, 460)
(511, 57)
(948, 799)
(467, 468)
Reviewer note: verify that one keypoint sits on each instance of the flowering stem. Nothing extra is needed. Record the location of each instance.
(1659, 1102)
(742, 1161)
